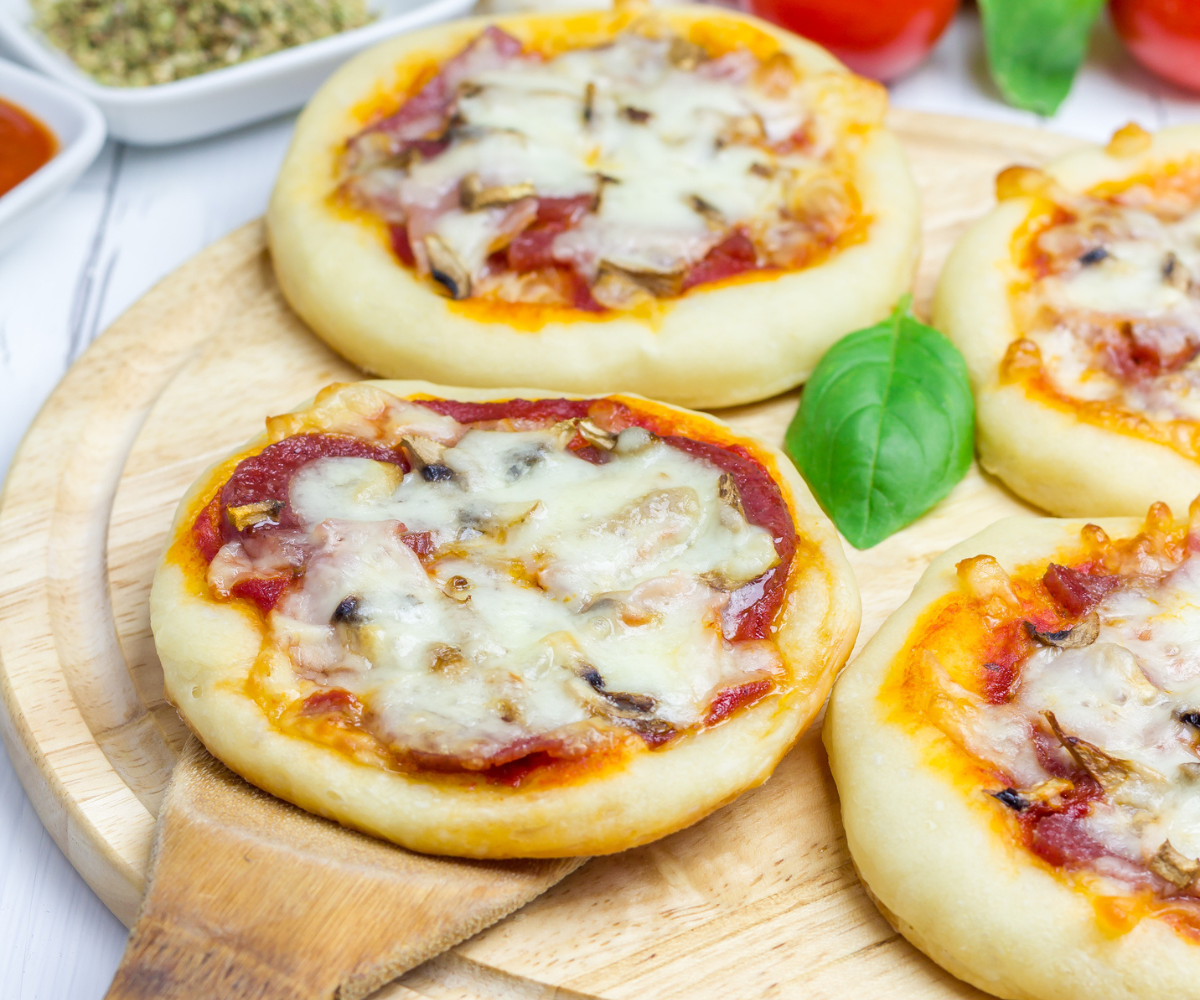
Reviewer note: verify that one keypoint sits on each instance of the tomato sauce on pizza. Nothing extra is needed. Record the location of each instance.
(513, 591)
(1067, 697)
(601, 178)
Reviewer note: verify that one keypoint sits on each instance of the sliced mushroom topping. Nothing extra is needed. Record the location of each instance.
(1094, 256)
(248, 515)
(1174, 273)
(660, 284)
(589, 102)
(458, 588)
(592, 676)
(425, 455)
(628, 701)
(727, 491)
(614, 289)
(685, 55)
(1076, 637)
(655, 732)
(474, 196)
(498, 518)
(589, 430)
(446, 269)
(1177, 869)
(618, 702)
(348, 612)
(444, 658)
(638, 116)
(595, 435)
(732, 514)
(1109, 772)
(710, 213)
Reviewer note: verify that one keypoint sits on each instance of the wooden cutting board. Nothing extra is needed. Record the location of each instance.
(760, 900)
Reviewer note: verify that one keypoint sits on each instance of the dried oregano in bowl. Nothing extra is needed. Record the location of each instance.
(135, 43)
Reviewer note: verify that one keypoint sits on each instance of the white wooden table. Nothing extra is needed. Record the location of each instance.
(135, 216)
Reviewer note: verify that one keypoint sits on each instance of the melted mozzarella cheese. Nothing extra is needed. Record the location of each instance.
(1150, 276)
(622, 122)
(561, 595)
(1100, 694)
(1125, 694)
(1129, 281)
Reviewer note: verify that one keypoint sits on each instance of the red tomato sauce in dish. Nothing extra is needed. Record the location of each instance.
(336, 717)
(25, 145)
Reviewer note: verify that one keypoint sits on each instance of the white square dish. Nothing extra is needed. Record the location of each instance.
(225, 98)
(79, 129)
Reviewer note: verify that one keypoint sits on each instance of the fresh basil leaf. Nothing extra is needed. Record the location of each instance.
(885, 426)
(1034, 47)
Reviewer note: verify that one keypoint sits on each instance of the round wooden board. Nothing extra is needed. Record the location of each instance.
(751, 902)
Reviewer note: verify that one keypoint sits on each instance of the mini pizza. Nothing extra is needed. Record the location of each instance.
(1017, 753)
(501, 625)
(1077, 307)
(692, 204)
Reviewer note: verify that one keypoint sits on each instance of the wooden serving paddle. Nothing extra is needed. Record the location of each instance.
(250, 897)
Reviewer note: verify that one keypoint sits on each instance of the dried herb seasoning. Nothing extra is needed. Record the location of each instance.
(136, 43)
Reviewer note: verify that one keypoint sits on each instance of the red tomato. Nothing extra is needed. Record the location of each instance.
(1163, 35)
(883, 39)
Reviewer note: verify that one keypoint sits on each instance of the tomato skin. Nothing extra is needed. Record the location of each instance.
(1162, 35)
(882, 39)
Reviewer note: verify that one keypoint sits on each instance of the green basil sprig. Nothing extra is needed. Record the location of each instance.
(1034, 47)
(885, 426)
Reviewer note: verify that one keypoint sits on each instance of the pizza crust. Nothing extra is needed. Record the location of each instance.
(208, 646)
(718, 345)
(945, 873)
(1043, 453)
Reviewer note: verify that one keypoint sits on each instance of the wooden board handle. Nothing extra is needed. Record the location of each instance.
(250, 897)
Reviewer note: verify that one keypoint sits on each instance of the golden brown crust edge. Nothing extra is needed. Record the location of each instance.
(1046, 454)
(721, 346)
(956, 887)
(207, 647)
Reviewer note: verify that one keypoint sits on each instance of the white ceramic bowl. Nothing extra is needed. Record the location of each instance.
(79, 129)
(225, 98)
